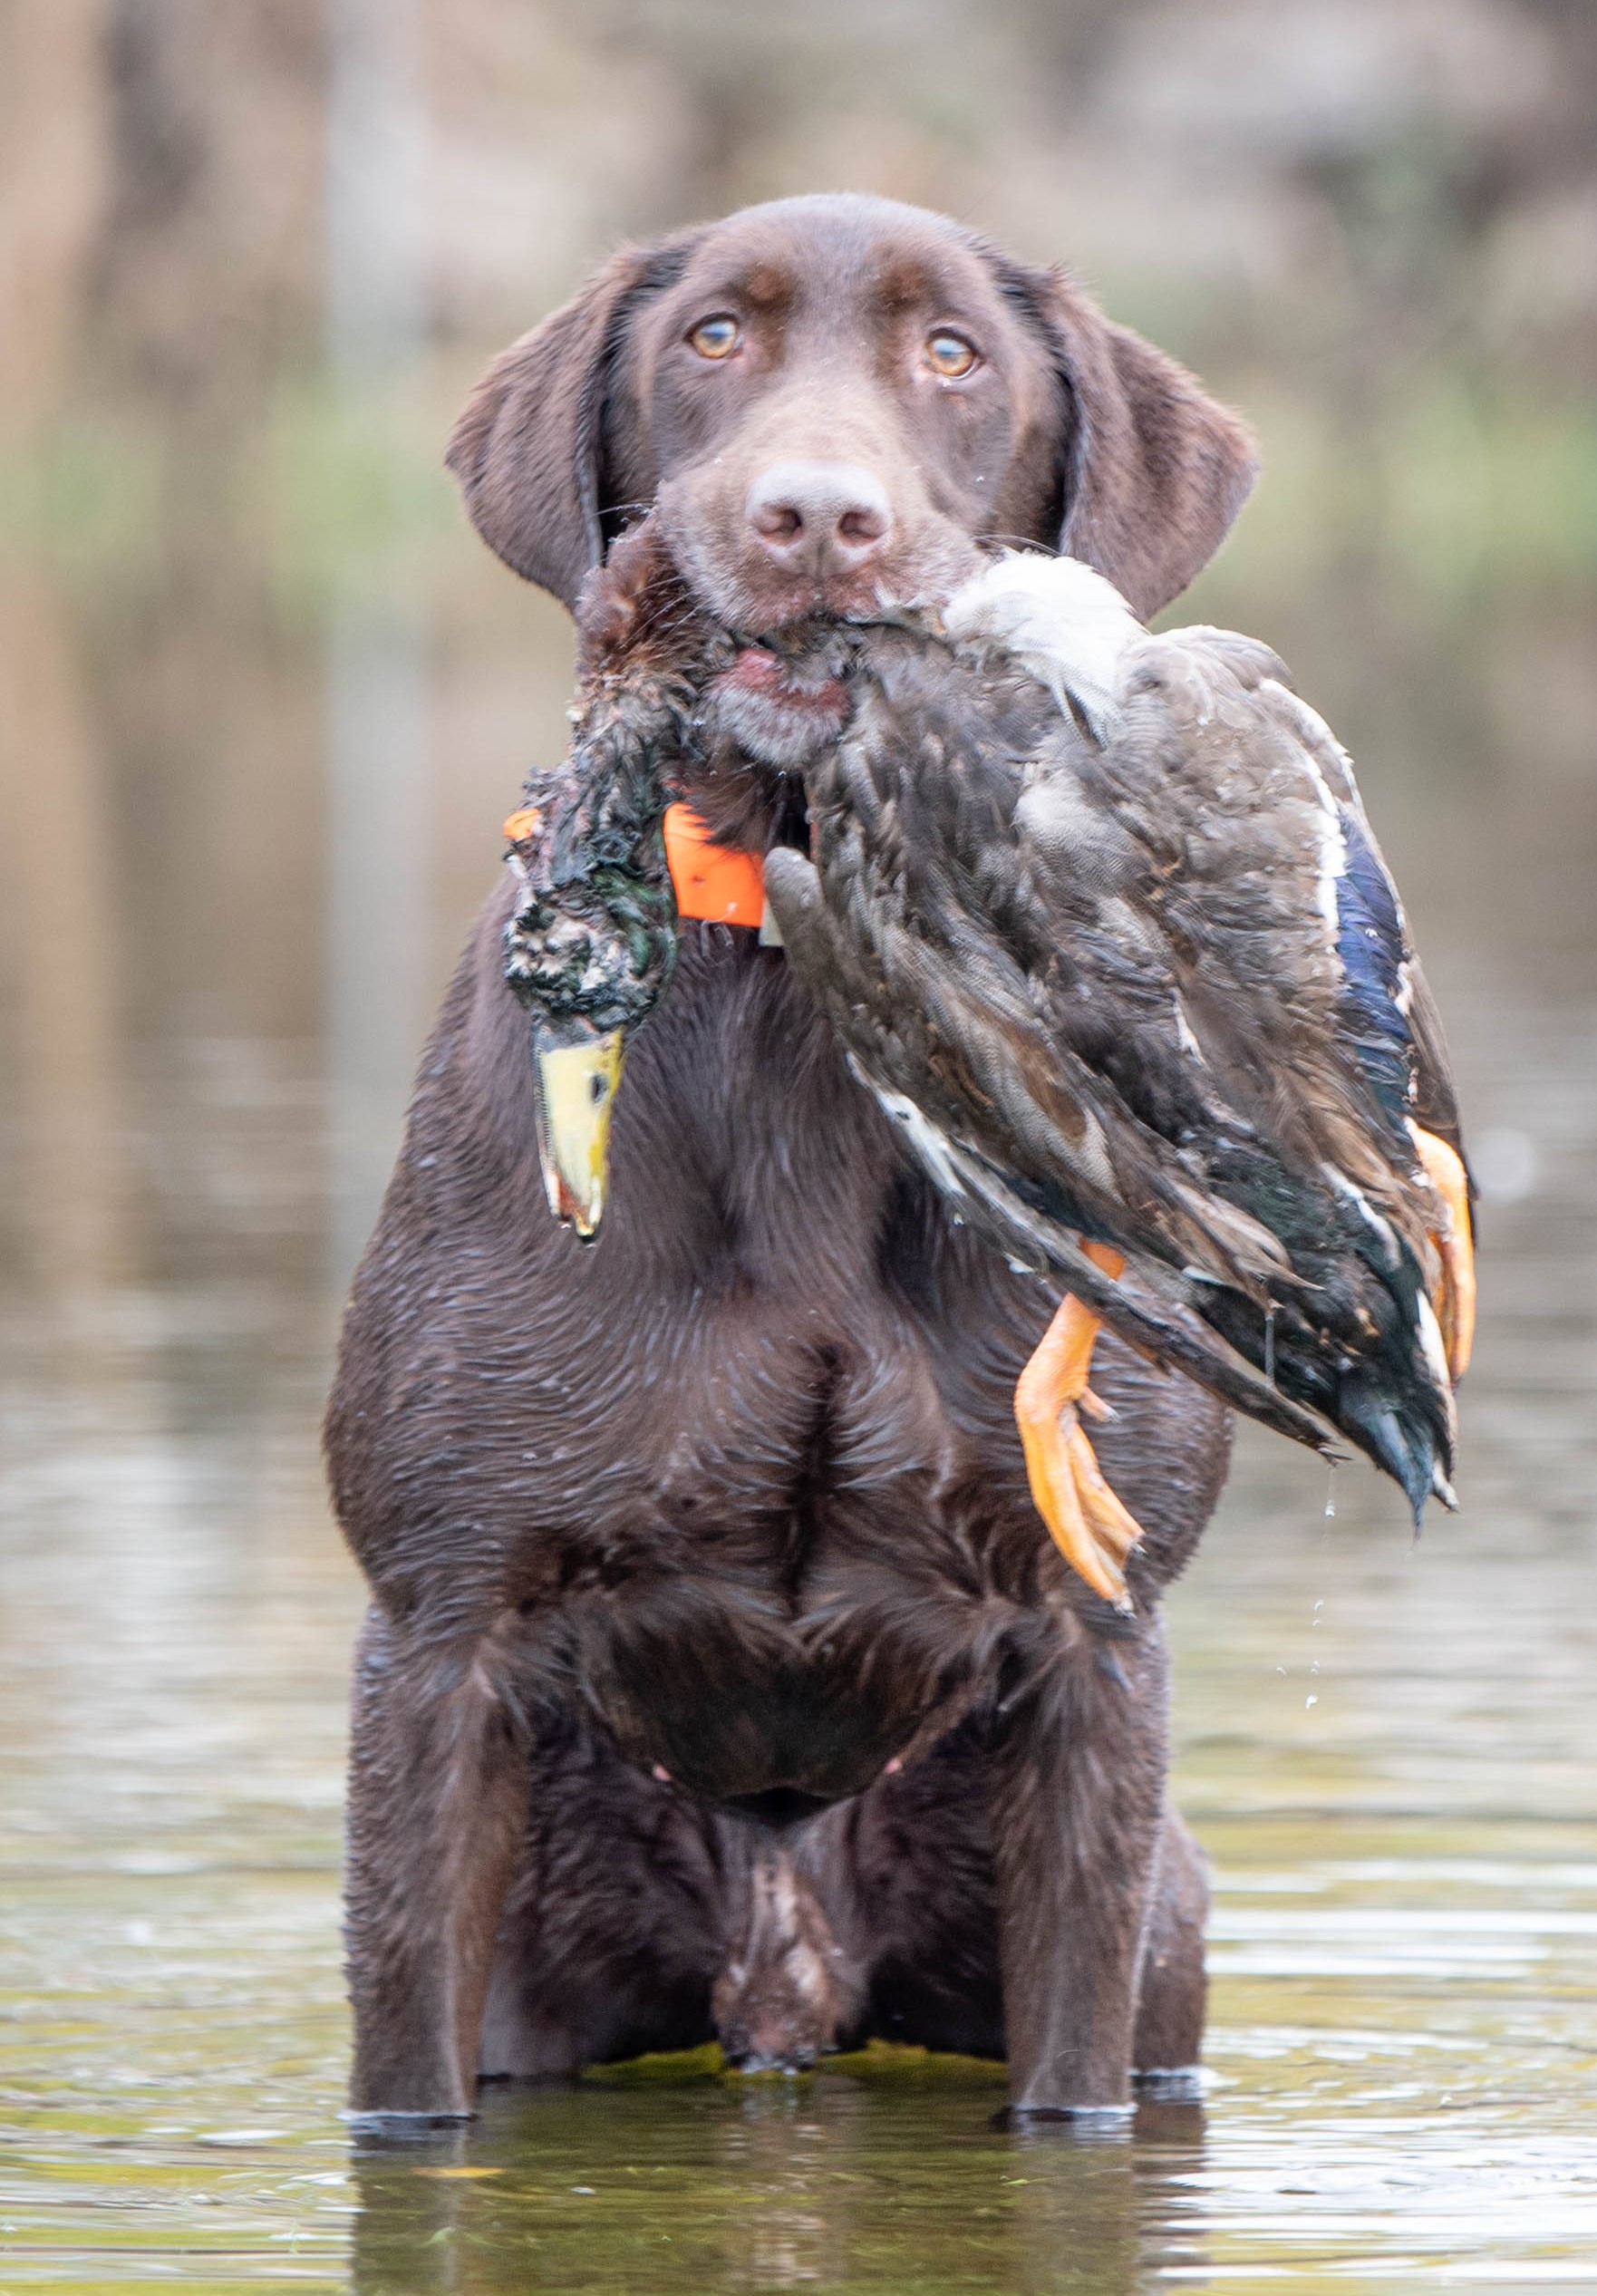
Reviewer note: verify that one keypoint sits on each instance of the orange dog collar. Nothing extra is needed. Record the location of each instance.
(722, 886)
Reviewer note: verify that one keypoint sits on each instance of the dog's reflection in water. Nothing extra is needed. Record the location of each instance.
(895, 2179)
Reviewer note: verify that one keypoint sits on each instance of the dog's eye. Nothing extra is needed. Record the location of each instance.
(949, 353)
(716, 338)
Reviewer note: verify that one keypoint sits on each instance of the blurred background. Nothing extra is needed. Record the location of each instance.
(263, 702)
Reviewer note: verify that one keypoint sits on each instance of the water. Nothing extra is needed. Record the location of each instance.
(1384, 1748)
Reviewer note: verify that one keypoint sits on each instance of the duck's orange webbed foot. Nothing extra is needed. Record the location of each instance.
(1089, 1526)
(1455, 1302)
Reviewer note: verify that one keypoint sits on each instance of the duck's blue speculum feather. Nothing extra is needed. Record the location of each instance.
(1373, 949)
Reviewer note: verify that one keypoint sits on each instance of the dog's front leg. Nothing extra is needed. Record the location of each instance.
(437, 1815)
(1078, 1802)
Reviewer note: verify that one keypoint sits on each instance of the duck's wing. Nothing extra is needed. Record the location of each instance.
(1296, 964)
(1293, 954)
(1370, 909)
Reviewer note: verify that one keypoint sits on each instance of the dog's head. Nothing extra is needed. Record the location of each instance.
(829, 401)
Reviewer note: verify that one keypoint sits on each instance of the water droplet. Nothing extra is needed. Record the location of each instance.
(1505, 1162)
(1310, 1702)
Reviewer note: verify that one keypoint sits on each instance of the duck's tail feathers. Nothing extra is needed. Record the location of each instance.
(1412, 1437)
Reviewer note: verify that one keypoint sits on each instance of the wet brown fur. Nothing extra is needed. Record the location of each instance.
(719, 1675)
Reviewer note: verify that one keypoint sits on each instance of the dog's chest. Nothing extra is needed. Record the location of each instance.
(778, 1313)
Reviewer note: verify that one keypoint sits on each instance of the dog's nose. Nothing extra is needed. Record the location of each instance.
(818, 519)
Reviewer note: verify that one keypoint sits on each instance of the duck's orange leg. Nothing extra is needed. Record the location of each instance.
(1455, 1302)
(1089, 1526)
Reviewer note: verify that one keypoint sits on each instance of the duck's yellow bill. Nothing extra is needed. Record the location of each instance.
(577, 1091)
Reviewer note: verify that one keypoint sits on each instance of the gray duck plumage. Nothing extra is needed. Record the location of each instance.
(1099, 919)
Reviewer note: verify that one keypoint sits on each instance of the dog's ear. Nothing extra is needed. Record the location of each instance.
(531, 449)
(1155, 469)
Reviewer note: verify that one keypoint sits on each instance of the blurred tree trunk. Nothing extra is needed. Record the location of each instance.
(374, 192)
(54, 144)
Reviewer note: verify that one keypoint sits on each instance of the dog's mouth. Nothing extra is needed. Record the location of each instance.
(781, 709)
(806, 683)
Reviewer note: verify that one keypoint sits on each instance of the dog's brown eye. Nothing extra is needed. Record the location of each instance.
(715, 338)
(949, 353)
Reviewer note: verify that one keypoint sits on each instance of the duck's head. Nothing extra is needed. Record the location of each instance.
(587, 950)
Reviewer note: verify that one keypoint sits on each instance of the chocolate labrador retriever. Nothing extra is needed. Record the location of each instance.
(720, 1677)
